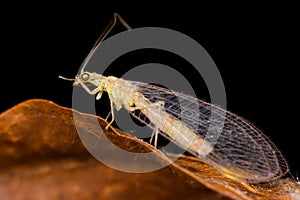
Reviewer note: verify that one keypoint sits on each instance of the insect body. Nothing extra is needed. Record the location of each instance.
(241, 151)
(128, 94)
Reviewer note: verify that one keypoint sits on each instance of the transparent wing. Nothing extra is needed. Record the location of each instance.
(241, 151)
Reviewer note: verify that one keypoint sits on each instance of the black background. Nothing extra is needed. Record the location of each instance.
(254, 47)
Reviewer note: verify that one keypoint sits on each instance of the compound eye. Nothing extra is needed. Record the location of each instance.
(85, 76)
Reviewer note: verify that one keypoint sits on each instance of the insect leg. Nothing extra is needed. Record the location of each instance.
(154, 134)
(88, 90)
(159, 104)
(112, 114)
(108, 116)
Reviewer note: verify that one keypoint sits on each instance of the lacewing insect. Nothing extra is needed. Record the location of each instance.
(242, 152)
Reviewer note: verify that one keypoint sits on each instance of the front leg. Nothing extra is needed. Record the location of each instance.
(88, 89)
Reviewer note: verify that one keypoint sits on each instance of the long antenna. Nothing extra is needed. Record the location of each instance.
(68, 79)
(103, 35)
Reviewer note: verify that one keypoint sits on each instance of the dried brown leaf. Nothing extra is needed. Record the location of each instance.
(42, 157)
